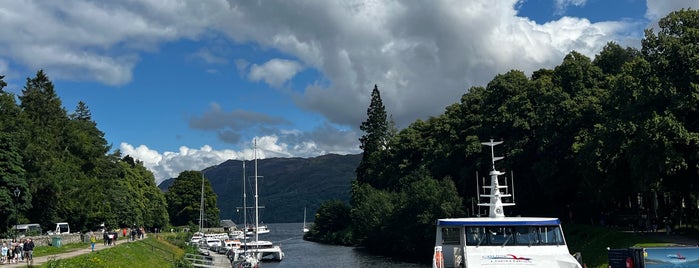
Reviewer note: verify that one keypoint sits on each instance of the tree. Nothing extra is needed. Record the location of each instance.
(375, 140)
(613, 57)
(332, 223)
(82, 112)
(42, 154)
(184, 200)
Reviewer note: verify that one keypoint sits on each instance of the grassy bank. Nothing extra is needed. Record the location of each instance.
(150, 252)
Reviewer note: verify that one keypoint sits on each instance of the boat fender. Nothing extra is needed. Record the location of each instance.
(629, 262)
(438, 259)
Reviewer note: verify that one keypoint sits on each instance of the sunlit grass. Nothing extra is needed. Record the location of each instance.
(150, 252)
(50, 250)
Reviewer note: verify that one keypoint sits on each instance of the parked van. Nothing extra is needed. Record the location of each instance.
(61, 228)
(27, 229)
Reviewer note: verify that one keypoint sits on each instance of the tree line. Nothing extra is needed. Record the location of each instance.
(57, 166)
(609, 140)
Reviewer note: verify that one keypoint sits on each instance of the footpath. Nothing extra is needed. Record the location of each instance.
(66, 255)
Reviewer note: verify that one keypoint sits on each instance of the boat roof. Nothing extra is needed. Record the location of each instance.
(507, 221)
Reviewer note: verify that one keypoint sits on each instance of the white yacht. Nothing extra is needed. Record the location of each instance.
(257, 249)
(262, 229)
(499, 241)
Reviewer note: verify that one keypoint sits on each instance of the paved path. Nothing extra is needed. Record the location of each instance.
(65, 255)
(220, 260)
(674, 238)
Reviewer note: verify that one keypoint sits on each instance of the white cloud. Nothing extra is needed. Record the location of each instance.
(423, 55)
(656, 9)
(562, 5)
(275, 72)
(97, 41)
(165, 165)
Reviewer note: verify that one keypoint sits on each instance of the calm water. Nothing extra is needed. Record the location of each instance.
(300, 253)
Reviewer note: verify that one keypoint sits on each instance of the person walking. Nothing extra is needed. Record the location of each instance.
(28, 250)
(5, 249)
(18, 252)
(93, 240)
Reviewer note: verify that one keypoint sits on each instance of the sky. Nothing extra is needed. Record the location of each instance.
(184, 85)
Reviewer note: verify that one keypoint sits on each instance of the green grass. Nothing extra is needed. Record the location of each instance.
(150, 252)
(49, 250)
(593, 241)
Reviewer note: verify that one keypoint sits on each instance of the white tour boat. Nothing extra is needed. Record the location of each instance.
(499, 241)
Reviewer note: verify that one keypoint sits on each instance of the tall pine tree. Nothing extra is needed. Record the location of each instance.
(375, 139)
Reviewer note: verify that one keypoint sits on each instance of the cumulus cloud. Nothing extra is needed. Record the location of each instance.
(96, 41)
(422, 55)
(165, 165)
(275, 72)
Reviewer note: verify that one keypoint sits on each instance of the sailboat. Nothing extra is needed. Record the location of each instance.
(260, 249)
(305, 228)
(241, 257)
(198, 237)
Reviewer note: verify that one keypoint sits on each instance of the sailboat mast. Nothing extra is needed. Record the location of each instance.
(245, 208)
(257, 216)
(201, 208)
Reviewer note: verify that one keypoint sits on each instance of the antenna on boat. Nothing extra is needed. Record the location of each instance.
(478, 192)
(512, 176)
(495, 196)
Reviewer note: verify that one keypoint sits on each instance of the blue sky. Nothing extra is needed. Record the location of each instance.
(189, 84)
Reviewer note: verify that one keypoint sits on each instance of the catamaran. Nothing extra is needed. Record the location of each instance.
(258, 248)
(499, 241)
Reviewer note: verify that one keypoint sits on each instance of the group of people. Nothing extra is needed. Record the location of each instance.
(17, 251)
(110, 237)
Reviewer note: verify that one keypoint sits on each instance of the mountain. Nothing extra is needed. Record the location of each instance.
(286, 185)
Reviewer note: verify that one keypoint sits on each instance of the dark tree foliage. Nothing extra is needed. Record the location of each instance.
(617, 135)
(184, 200)
(61, 167)
(332, 223)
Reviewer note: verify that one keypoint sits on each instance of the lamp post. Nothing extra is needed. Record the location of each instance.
(16, 192)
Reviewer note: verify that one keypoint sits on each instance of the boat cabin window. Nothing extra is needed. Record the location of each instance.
(514, 235)
(450, 236)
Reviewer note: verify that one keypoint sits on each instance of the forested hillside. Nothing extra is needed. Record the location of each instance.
(611, 138)
(286, 185)
(55, 167)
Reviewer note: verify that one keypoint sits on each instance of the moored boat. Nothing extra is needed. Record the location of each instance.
(499, 241)
(255, 249)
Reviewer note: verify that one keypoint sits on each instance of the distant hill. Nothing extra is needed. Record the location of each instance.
(287, 185)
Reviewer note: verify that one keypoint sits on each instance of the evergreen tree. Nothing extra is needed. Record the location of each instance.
(375, 139)
(43, 156)
(82, 112)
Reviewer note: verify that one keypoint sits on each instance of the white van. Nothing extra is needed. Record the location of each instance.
(61, 228)
(27, 229)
